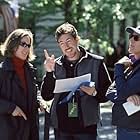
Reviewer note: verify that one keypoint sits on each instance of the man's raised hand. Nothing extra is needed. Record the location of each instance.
(49, 63)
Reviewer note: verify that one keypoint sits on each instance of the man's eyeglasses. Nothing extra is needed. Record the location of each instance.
(136, 37)
(24, 45)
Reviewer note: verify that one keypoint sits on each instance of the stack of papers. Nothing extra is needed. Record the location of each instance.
(71, 84)
(130, 108)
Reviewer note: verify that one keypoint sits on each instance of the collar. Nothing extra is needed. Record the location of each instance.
(18, 62)
(8, 65)
(136, 62)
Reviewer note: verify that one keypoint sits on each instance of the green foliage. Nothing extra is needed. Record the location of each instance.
(3, 2)
(97, 16)
(92, 18)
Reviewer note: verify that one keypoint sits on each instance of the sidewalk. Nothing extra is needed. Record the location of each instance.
(105, 132)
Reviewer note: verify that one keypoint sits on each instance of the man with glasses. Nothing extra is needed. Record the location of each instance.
(127, 87)
(74, 114)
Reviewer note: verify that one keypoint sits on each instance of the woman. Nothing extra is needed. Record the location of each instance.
(127, 79)
(18, 92)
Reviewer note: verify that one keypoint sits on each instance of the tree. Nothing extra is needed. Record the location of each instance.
(94, 19)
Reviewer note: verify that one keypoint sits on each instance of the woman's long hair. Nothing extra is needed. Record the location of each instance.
(12, 43)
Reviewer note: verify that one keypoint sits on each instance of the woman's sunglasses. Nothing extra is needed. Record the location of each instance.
(24, 45)
(136, 37)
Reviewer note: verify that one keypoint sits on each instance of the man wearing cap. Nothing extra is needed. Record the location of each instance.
(126, 83)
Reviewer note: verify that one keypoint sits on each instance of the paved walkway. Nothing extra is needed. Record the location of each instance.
(105, 132)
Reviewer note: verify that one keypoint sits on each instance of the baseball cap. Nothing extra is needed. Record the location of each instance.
(132, 29)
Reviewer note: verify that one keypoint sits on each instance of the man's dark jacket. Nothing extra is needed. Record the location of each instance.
(89, 63)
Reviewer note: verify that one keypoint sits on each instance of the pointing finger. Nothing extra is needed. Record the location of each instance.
(46, 54)
(52, 56)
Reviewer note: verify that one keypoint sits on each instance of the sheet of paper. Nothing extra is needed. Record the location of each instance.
(70, 84)
(130, 108)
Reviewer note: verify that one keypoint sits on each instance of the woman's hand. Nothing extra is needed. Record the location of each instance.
(19, 112)
(135, 99)
(125, 61)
